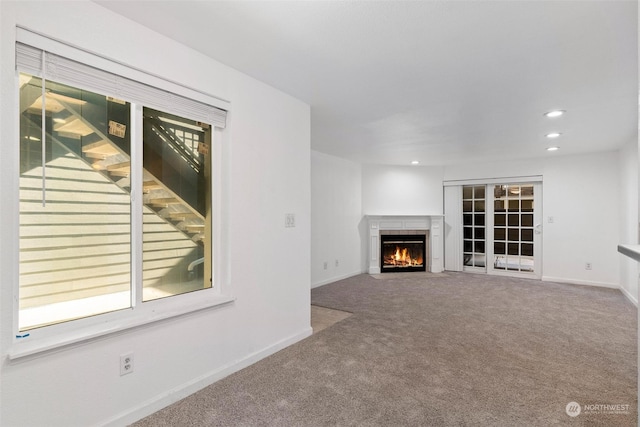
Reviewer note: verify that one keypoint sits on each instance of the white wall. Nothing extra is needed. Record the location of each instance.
(581, 194)
(629, 217)
(402, 190)
(266, 156)
(490, 170)
(336, 216)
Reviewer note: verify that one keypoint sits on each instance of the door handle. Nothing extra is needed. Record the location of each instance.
(538, 229)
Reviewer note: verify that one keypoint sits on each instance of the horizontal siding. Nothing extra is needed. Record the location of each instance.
(63, 264)
(79, 196)
(73, 273)
(62, 290)
(67, 253)
(78, 244)
(162, 245)
(59, 184)
(97, 207)
(87, 219)
(96, 231)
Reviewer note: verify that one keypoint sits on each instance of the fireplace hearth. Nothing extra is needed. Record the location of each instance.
(402, 253)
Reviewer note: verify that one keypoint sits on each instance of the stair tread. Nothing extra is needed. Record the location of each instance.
(101, 145)
(165, 201)
(174, 215)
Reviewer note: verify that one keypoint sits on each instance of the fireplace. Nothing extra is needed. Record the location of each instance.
(428, 228)
(403, 252)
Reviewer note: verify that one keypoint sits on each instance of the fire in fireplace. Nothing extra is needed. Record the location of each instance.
(402, 253)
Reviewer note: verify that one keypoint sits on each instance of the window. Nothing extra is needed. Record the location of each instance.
(177, 206)
(116, 196)
(75, 212)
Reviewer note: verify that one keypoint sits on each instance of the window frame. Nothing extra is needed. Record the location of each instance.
(54, 336)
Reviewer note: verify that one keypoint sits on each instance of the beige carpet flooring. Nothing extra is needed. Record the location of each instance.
(440, 350)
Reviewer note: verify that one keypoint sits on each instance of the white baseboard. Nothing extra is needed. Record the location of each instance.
(580, 282)
(335, 279)
(626, 293)
(171, 396)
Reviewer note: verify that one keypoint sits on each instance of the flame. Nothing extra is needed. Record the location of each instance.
(403, 258)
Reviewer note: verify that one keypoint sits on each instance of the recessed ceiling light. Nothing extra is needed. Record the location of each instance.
(553, 135)
(415, 162)
(554, 113)
(553, 148)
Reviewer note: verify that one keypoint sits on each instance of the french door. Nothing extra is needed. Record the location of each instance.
(502, 229)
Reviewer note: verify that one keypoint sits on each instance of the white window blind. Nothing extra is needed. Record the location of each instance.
(57, 68)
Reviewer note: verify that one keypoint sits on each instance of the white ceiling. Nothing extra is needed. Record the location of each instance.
(436, 81)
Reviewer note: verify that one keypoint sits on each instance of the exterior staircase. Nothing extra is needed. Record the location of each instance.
(77, 245)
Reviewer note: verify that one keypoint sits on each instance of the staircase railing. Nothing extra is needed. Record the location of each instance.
(164, 132)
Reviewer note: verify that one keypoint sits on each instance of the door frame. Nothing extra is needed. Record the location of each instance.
(454, 226)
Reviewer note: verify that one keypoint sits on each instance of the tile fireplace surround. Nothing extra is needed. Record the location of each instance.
(431, 225)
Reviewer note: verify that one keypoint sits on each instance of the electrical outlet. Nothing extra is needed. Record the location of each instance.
(587, 266)
(337, 263)
(326, 265)
(126, 364)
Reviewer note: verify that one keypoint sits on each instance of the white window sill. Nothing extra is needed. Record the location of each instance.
(632, 251)
(29, 347)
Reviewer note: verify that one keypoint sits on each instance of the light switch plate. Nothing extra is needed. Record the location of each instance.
(289, 220)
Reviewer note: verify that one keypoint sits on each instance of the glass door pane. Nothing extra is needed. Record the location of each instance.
(514, 228)
(474, 223)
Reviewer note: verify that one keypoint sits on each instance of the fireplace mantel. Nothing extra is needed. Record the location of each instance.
(432, 225)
